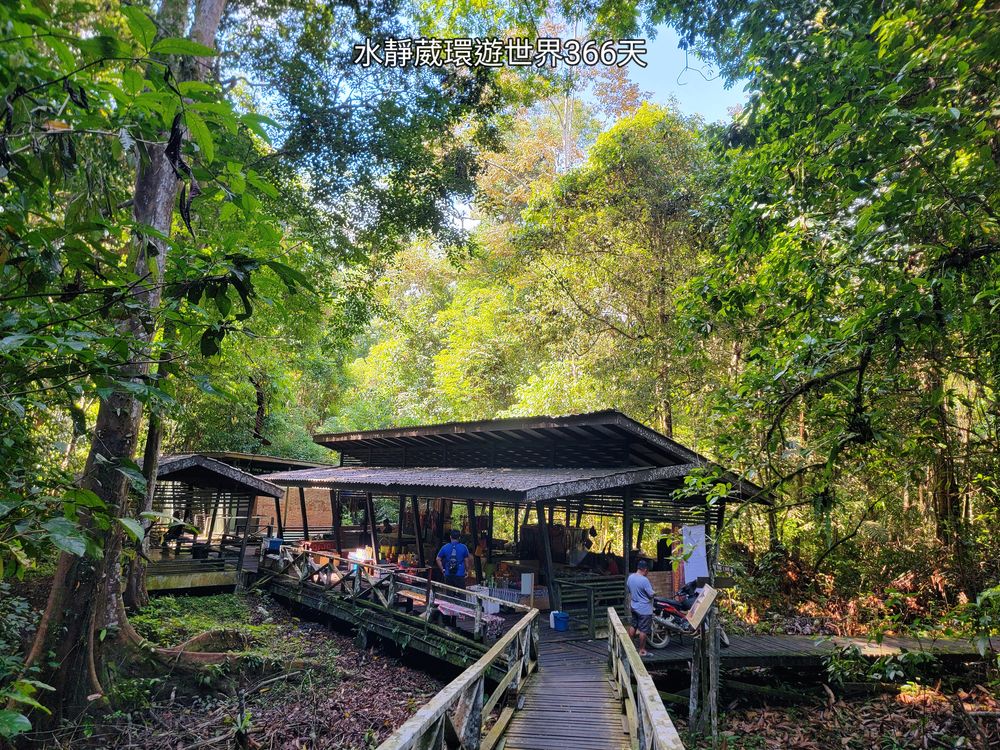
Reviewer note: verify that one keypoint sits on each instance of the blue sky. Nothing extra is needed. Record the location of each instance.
(665, 76)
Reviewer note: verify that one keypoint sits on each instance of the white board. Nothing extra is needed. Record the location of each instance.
(696, 561)
(527, 583)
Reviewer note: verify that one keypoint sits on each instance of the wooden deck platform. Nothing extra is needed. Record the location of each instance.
(807, 651)
(570, 702)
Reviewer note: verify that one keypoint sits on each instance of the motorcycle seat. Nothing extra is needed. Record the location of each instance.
(663, 601)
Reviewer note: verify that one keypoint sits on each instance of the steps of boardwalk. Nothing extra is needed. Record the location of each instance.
(570, 702)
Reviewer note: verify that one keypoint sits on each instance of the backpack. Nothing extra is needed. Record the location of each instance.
(453, 561)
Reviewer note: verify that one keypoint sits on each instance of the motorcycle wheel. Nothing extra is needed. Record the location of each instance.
(660, 637)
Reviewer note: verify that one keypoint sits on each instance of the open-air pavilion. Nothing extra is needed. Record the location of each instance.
(549, 472)
(205, 506)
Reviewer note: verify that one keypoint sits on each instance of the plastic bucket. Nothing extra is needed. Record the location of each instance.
(273, 545)
(561, 620)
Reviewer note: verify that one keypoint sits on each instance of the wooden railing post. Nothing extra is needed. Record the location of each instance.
(649, 723)
(454, 717)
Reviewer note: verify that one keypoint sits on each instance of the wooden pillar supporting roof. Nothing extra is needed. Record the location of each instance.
(372, 523)
(627, 528)
(399, 526)
(550, 577)
(305, 514)
(418, 533)
(470, 506)
(338, 519)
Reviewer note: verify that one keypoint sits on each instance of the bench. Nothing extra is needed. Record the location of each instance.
(492, 624)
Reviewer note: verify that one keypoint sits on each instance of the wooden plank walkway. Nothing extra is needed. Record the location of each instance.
(808, 651)
(570, 702)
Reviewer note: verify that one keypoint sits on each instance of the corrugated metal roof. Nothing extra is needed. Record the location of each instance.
(606, 438)
(196, 469)
(522, 484)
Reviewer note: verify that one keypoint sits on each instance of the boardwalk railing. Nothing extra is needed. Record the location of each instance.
(385, 585)
(588, 597)
(649, 723)
(453, 718)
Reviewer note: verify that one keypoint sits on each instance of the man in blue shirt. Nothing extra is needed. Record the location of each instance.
(453, 560)
(641, 603)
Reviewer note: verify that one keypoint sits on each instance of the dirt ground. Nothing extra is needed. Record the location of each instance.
(299, 685)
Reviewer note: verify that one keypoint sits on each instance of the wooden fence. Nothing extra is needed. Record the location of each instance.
(385, 585)
(454, 717)
(648, 721)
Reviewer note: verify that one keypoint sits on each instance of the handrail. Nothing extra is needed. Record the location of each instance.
(591, 598)
(649, 723)
(358, 579)
(591, 612)
(392, 570)
(459, 709)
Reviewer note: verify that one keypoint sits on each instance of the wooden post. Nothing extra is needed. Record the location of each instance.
(239, 562)
(552, 513)
(550, 578)
(428, 515)
(642, 527)
(399, 526)
(489, 536)
(627, 528)
(372, 524)
(277, 517)
(567, 512)
(338, 521)
(417, 531)
(185, 516)
(470, 506)
(517, 517)
(677, 565)
(579, 514)
(305, 515)
(441, 502)
(215, 512)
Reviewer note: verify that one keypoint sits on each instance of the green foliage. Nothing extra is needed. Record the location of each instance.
(847, 664)
(134, 693)
(981, 619)
(846, 314)
(270, 259)
(550, 316)
(81, 107)
(169, 620)
(17, 691)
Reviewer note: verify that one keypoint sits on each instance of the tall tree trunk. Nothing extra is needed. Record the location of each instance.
(84, 623)
(135, 593)
(942, 478)
(663, 375)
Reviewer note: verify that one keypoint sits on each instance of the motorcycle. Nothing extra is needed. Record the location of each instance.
(670, 617)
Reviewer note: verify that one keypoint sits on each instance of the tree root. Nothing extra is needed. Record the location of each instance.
(216, 640)
(191, 652)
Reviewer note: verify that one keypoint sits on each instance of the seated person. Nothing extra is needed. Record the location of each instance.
(176, 532)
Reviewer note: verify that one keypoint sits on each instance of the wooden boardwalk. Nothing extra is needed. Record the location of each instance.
(570, 702)
(808, 651)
